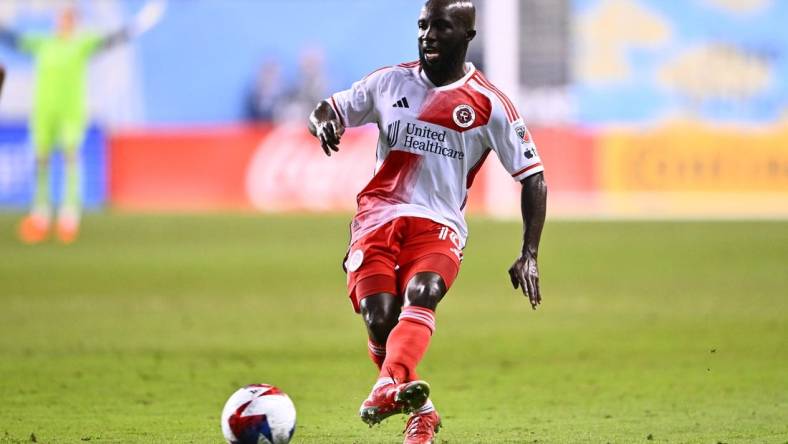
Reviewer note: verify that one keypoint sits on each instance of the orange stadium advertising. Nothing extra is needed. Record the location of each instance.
(696, 170)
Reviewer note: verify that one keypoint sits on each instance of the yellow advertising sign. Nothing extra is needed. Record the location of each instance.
(692, 170)
(695, 158)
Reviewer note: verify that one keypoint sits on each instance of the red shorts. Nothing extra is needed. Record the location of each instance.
(384, 260)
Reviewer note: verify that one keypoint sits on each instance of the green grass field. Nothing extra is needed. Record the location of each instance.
(649, 332)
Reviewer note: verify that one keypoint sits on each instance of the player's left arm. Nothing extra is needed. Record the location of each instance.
(524, 273)
(147, 18)
(512, 142)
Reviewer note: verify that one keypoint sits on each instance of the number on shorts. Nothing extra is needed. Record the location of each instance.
(455, 240)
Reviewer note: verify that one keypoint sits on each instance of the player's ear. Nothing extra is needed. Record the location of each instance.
(470, 34)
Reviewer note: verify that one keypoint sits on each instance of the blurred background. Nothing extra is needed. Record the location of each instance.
(640, 108)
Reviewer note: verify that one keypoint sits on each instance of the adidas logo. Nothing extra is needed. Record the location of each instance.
(401, 103)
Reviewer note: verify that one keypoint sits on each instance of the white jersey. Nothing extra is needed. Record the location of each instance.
(433, 141)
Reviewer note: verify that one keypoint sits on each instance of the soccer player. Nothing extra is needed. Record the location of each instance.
(439, 118)
(59, 117)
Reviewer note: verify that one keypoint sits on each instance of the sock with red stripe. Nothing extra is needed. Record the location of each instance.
(377, 353)
(407, 343)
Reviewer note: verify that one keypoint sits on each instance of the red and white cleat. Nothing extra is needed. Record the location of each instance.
(33, 229)
(68, 227)
(67, 233)
(392, 399)
(422, 427)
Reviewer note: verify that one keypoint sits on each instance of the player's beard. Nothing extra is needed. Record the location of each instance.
(449, 59)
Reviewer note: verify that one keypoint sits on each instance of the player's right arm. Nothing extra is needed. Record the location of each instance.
(350, 108)
(325, 125)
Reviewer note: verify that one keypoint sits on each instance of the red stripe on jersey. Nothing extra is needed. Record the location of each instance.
(393, 183)
(507, 105)
(373, 72)
(472, 175)
(439, 108)
(401, 65)
(336, 111)
(412, 64)
(511, 110)
(475, 170)
(530, 167)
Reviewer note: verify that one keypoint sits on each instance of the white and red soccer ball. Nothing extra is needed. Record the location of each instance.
(258, 414)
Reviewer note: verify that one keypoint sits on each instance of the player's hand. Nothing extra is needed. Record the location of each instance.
(524, 273)
(149, 16)
(330, 134)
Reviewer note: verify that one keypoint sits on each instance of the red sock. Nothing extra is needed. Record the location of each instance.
(407, 343)
(377, 353)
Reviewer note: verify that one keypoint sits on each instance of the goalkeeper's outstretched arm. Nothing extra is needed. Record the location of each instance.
(147, 18)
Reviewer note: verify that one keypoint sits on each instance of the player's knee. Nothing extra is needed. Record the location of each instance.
(380, 313)
(425, 290)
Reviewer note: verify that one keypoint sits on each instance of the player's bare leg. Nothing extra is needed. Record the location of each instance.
(35, 227)
(380, 313)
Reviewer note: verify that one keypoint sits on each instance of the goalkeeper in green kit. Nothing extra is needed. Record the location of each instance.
(59, 118)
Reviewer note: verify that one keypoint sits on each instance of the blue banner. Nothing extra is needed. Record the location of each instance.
(17, 169)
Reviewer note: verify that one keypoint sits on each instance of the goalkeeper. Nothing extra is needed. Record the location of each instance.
(59, 118)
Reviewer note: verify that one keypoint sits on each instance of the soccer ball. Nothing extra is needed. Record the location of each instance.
(258, 414)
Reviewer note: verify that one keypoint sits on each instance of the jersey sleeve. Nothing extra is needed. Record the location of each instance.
(515, 148)
(90, 43)
(356, 106)
(31, 43)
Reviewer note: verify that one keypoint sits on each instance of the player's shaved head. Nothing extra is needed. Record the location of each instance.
(462, 10)
(446, 27)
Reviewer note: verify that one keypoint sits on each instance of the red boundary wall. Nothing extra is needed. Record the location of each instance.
(284, 169)
(194, 169)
